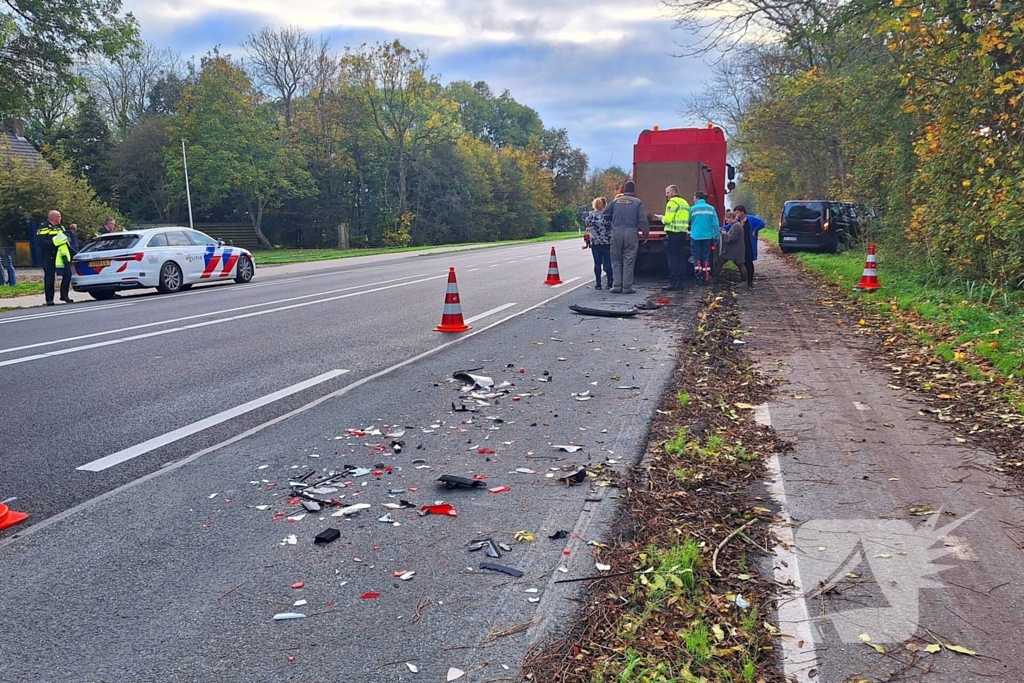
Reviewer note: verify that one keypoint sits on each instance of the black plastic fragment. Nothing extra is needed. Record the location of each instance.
(486, 544)
(451, 481)
(396, 446)
(606, 311)
(499, 568)
(577, 477)
(561, 533)
(327, 536)
(648, 305)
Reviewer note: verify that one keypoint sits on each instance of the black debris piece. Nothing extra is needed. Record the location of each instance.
(576, 477)
(609, 311)
(561, 533)
(478, 381)
(463, 408)
(648, 305)
(451, 481)
(327, 536)
(311, 505)
(499, 568)
(485, 544)
(397, 446)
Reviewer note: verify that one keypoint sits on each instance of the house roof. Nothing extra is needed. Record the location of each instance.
(17, 146)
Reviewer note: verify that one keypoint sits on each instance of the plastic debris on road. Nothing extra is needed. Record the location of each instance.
(475, 381)
(454, 674)
(370, 595)
(577, 476)
(439, 509)
(568, 448)
(561, 533)
(351, 509)
(327, 536)
(451, 481)
(486, 544)
(500, 489)
(501, 568)
(284, 616)
(412, 667)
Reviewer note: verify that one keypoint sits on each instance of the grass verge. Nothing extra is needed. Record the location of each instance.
(282, 256)
(691, 606)
(23, 289)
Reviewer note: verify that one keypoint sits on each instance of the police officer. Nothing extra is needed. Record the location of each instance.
(627, 217)
(53, 244)
(677, 223)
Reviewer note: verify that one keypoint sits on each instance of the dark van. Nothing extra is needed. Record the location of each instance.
(817, 224)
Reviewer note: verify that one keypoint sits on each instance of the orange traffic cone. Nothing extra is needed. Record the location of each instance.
(9, 517)
(553, 278)
(869, 280)
(451, 318)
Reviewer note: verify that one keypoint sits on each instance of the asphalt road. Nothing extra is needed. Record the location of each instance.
(148, 558)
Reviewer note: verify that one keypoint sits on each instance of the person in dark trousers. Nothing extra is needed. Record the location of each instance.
(599, 238)
(704, 228)
(732, 248)
(751, 226)
(677, 222)
(53, 245)
(628, 217)
(73, 238)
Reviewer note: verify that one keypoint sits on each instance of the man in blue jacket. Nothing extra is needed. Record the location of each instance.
(752, 225)
(704, 227)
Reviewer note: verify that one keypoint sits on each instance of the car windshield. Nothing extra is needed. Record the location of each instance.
(804, 211)
(121, 240)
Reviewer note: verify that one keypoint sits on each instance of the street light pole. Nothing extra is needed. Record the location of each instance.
(188, 193)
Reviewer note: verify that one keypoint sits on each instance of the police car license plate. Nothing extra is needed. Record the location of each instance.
(789, 239)
(99, 264)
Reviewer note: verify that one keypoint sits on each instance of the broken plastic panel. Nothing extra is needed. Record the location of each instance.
(440, 509)
(452, 481)
(477, 381)
(501, 568)
(486, 544)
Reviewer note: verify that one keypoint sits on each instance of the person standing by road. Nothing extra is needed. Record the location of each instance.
(704, 228)
(53, 244)
(677, 222)
(753, 225)
(73, 238)
(109, 226)
(599, 232)
(627, 216)
(733, 248)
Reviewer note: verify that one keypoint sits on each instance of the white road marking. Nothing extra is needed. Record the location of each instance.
(565, 282)
(64, 311)
(196, 427)
(494, 265)
(470, 270)
(800, 658)
(159, 333)
(483, 315)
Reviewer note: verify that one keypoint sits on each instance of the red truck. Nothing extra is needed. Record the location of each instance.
(693, 159)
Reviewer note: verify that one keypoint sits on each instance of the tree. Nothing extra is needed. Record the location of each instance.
(40, 42)
(165, 93)
(285, 60)
(404, 103)
(85, 142)
(32, 188)
(138, 174)
(234, 147)
(568, 166)
(122, 83)
(498, 121)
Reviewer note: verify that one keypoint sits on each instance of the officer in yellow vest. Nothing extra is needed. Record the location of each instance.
(53, 244)
(677, 223)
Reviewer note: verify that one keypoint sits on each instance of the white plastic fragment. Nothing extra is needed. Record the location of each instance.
(290, 539)
(263, 467)
(454, 674)
(386, 519)
(406, 576)
(412, 667)
(741, 603)
(602, 567)
(262, 507)
(213, 495)
(351, 510)
(297, 518)
(397, 434)
(289, 615)
(298, 603)
(531, 590)
(533, 599)
(568, 449)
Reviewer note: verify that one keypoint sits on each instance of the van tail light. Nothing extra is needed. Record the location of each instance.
(137, 256)
(824, 226)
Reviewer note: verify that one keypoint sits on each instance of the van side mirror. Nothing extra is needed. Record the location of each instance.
(730, 186)
(730, 172)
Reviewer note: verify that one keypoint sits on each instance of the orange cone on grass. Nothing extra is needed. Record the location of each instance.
(869, 280)
(553, 278)
(451, 317)
(9, 517)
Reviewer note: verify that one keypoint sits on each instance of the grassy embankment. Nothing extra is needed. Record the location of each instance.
(282, 256)
(964, 320)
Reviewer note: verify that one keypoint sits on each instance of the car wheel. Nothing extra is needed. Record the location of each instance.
(244, 270)
(171, 279)
(102, 294)
(786, 250)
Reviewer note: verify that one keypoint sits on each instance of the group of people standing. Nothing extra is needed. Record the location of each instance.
(613, 234)
(58, 245)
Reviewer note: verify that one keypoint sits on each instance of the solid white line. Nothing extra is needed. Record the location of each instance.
(800, 657)
(483, 315)
(159, 333)
(188, 430)
(171, 321)
(92, 502)
(565, 282)
(59, 312)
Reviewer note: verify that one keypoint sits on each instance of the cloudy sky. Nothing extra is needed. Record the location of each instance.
(603, 70)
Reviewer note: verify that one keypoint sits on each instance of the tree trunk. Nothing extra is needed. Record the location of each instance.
(257, 225)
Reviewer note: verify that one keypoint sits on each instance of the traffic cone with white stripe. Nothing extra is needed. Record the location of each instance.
(869, 280)
(553, 278)
(9, 517)
(451, 317)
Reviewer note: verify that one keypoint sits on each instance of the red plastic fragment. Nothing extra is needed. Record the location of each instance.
(294, 501)
(291, 660)
(479, 477)
(370, 596)
(485, 451)
(500, 489)
(517, 398)
(522, 371)
(443, 509)
(297, 585)
(278, 515)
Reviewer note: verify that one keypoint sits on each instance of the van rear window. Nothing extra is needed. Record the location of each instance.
(805, 211)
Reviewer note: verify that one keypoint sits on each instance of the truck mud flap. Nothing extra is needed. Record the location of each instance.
(608, 311)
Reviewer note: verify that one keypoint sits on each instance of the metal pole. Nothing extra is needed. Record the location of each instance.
(188, 193)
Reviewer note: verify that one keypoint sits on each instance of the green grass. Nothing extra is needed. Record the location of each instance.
(984, 318)
(24, 289)
(282, 256)
(684, 398)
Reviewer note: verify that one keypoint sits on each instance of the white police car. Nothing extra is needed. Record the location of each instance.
(170, 259)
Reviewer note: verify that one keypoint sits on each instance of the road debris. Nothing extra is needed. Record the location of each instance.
(451, 481)
(327, 536)
(439, 509)
(490, 566)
